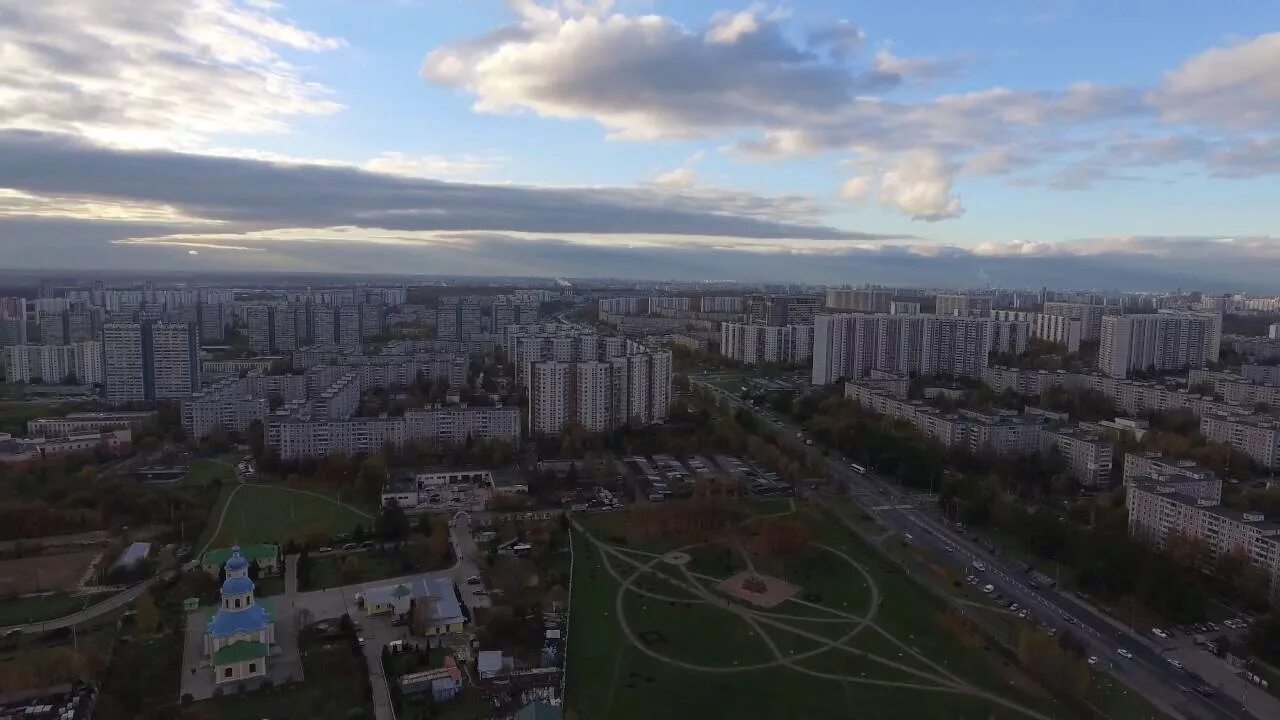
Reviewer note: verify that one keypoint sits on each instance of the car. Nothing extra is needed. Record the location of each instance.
(979, 566)
(479, 592)
(366, 544)
(1015, 607)
(360, 641)
(988, 589)
(325, 549)
(474, 580)
(1206, 691)
(1160, 633)
(1093, 659)
(1174, 662)
(350, 546)
(1023, 613)
(1124, 654)
(949, 547)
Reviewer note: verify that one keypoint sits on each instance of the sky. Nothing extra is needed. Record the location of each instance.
(1067, 143)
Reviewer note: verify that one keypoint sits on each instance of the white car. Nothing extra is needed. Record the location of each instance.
(1093, 659)
(988, 589)
(1174, 662)
(1160, 633)
(1124, 654)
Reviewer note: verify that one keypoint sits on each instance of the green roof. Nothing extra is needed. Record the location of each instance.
(239, 652)
(400, 591)
(220, 556)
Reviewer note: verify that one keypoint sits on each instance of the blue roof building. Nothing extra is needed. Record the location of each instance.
(239, 637)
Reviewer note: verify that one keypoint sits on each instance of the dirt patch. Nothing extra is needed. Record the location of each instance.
(48, 571)
(757, 589)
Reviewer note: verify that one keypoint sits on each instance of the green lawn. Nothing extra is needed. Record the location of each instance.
(207, 470)
(18, 611)
(268, 513)
(612, 679)
(369, 566)
(318, 697)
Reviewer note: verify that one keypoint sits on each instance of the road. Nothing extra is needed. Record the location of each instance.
(1148, 672)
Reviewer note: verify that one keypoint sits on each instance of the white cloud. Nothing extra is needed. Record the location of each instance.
(728, 28)
(1234, 87)
(164, 73)
(683, 177)
(856, 188)
(396, 163)
(919, 184)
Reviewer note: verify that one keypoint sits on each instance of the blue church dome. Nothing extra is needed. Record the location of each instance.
(237, 586)
(237, 561)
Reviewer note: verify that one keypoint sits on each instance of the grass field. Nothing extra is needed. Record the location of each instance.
(19, 611)
(268, 513)
(326, 570)
(47, 571)
(651, 639)
(207, 470)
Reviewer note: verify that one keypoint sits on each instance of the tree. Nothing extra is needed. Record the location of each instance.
(147, 616)
(349, 568)
(372, 477)
(392, 523)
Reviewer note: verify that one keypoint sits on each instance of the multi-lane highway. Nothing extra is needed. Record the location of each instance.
(1146, 671)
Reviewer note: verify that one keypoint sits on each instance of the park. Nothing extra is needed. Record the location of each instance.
(770, 610)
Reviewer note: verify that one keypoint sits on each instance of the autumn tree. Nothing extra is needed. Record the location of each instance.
(147, 617)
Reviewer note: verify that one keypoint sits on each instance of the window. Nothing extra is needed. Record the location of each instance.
(253, 667)
(227, 673)
(237, 602)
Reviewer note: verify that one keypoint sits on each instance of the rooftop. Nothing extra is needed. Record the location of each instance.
(239, 652)
(262, 551)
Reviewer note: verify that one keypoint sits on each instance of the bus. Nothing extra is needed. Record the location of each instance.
(857, 468)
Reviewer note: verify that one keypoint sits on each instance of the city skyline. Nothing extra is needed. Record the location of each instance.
(709, 141)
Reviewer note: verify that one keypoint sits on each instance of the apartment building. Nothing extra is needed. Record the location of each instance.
(850, 346)
(902, 307)
(458, 318)
(1090, 316)
(322, 325)
(721, 304)
(624, 306)
(782, 309)
(757, 344)
(1161, 341)
(1236, 388)
(599, 395)
(90, 422)
(47, 363)
(1087, 453)
(1159, 509)
(865, 300)
(964, 305)
(1002, 433)
(297, 437)
(959, 346)
(228, 406)
(1257, 436)
(149, 361)
(1058, 329)
(1262, 374)
(1191, 477)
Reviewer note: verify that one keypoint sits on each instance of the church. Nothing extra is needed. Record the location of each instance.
(238, 639)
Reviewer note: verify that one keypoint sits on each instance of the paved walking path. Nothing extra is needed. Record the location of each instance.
(929, 675)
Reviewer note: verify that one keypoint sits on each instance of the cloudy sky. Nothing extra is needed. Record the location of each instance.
(1090, 144)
